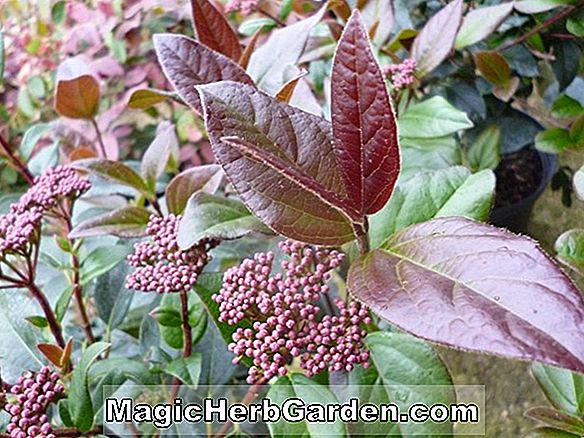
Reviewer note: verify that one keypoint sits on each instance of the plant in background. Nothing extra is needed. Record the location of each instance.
(369, 214)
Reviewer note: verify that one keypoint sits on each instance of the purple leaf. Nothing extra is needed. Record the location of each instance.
(475, 287)
(187, 63)
(364, 127)
(436, 39)
(197, 179)
(281, 162)
(213, 30)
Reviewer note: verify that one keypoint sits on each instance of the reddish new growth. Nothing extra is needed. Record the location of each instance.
(401, 75)
(284, 309)
(246, 7)
(21, 225)
(33, 395)
(160, 265)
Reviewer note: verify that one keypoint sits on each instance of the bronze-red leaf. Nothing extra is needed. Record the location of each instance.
(472, 286)
(187, 63)
(213, 29)
(364, 126)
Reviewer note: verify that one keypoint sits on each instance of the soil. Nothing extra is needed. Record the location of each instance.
(518, 176)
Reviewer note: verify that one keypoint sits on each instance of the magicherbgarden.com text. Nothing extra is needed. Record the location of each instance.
(292, 410)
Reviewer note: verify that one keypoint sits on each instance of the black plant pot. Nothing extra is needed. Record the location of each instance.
(516, 217)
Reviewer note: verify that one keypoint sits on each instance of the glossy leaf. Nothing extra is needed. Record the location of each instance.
(283, 49)
(78, 98)
(425, 154)
(124, 222)
(213, 29)
(206, 179)
(249, 49)
(262, 24)
(433, 117)
(270, 158)
(507, 298)
(577, 131)
(436, 39)
(186, 369)
(447, 192)
(297, 386)
(157, 154)
(100, 260)
(564, 389)
(80, 405)
(493, 67)
(115, 171)
(53, 353)
(485, 152)
(480, 23)
(31, 138)
(112, 298)
(215, 217)
(364, 126)
(187, 63)
(564, 107)
(285, 93)
(570, 249)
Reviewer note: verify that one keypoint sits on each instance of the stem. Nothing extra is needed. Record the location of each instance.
(156, 205)
(247, 399)
(76, 280)
(99, 138)
(267, 14)
(48, 311)
(16, 162)
(559, 16)
(186, 327)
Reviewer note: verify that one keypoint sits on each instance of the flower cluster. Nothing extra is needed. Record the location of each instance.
(34, 393)
(246, 7)
(20, 225)
(160, 265)
(402, 74)
(284, 308)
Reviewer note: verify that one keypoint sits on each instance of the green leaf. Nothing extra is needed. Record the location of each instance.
(480, 23)
(249, 27)
(157, 154)
(124, 222)
(144, 99)
(553, 140)
(485, 152)
(575, 24)
(58, 12)
(424, 154)
(570, 249)
(564, 107)
(434, 117)
(64, 414)
(31, 137)
(134, 370)
(564, 389)
(38, 321)
(186, 369)
(100, 260)
(215, 217)
(80, 404)
(167, 316)
(448, 192)
(115, 171)
(298, 386)
(112, 299)
(206, 178)
(549, 432)
(45, 158)
(410, 371)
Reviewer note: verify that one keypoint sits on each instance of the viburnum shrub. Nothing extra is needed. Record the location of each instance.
(312, 250)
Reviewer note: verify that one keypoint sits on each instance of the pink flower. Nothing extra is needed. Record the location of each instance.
(28, 413)
(246, 7)
(402, 74)
(284, 309)
(160, 265)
